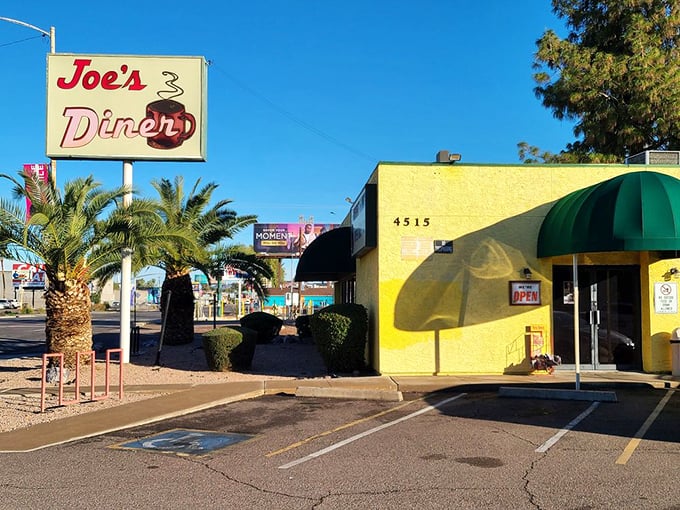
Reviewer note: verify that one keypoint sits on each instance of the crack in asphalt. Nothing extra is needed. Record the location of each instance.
(511, 434)
(316, 501)
(424, 490)
(532, 497)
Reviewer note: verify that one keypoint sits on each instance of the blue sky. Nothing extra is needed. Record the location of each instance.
(305, 97)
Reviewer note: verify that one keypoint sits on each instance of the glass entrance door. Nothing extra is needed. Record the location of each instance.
(609, 316)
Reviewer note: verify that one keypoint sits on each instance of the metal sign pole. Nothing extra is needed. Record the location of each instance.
(165, 318)
(577, 346)
(126, 274)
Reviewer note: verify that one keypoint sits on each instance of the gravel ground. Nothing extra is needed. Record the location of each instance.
(21, 378)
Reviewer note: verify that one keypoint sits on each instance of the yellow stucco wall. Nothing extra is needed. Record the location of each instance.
(439, 313)
(657, 328)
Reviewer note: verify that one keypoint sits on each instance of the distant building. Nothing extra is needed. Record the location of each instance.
(312, 298)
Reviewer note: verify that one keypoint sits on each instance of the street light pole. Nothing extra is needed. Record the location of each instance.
(49, 34)
(53, 45)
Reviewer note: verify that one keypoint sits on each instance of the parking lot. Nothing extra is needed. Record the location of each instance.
(445, 450)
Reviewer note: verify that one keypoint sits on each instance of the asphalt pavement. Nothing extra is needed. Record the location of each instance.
(184, 399)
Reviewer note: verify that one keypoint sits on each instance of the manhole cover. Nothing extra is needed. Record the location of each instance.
(184, 442)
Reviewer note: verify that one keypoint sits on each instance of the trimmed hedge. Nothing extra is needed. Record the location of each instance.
(229, 347)
(266, 325)
(340, 333)
(304, 330)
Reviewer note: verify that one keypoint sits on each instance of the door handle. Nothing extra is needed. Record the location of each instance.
(595, 317)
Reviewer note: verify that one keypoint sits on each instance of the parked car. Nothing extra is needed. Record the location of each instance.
(613, 346)
(7, 304)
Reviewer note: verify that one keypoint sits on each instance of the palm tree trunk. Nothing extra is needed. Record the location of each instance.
(179, 325)
(68, 328)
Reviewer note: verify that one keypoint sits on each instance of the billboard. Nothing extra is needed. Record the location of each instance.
(28, 276)
(126, 107)
(286, 240)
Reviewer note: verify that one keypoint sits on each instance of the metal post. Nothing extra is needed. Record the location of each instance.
(214, 311)
(53, 162)
(290, 310)
(53, 45)
(165, 318)
(126, 274)
(238, 313)
(577, 347)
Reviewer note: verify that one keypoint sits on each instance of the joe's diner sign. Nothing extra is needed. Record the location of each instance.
(126, 107)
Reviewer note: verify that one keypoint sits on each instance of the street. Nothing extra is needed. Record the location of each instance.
(24, 335)
(445, 450)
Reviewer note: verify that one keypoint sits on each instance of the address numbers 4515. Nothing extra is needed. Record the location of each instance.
(415, 222)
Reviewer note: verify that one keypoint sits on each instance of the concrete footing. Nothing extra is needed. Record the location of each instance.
(557, 394)
(351, 393)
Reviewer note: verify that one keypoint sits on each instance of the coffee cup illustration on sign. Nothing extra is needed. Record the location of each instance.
(174, 123)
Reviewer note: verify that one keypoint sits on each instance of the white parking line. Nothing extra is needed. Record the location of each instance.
(368, 432)
(550, 442)
(633, 443)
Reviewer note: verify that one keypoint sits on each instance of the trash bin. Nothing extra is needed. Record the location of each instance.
(675, 352)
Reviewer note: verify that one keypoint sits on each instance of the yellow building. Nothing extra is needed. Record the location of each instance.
(468, 268)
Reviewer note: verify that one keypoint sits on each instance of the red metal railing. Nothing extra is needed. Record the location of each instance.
(93, 396)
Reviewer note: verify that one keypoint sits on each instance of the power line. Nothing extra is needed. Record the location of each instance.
(290, 116)
(21, 40)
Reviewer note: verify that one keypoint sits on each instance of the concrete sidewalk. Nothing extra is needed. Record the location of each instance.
(185, 399)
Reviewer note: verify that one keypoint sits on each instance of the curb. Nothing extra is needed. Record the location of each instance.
(557, 394)
(355, 394)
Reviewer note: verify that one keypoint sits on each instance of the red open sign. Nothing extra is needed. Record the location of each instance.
(525, 293)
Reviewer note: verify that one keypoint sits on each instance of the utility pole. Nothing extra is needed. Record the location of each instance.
(53, 44)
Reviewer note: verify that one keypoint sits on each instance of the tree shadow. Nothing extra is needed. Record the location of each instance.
(467, 284)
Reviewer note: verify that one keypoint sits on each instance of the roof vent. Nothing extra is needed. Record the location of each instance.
(445, 157)
(655, 158)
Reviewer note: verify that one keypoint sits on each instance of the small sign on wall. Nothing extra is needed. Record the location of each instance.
(666, 297)
(443, 246)
(525, 293)
(535, 333)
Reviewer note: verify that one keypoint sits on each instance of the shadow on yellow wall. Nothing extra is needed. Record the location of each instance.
(471, 285)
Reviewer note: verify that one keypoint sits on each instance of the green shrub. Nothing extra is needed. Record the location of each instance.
(340, 333)
(267, 325)
(304, 330)
(229, 347)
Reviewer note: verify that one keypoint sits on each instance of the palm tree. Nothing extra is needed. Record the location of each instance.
(207, 225)
(258, 270)
(75, 239)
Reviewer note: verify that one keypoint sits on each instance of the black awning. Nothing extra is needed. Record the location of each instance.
(327, 258)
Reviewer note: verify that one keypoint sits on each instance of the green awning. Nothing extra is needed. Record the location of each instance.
(638, 211)
(327, 258)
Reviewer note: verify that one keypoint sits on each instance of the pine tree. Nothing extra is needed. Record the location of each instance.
(616, 74)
